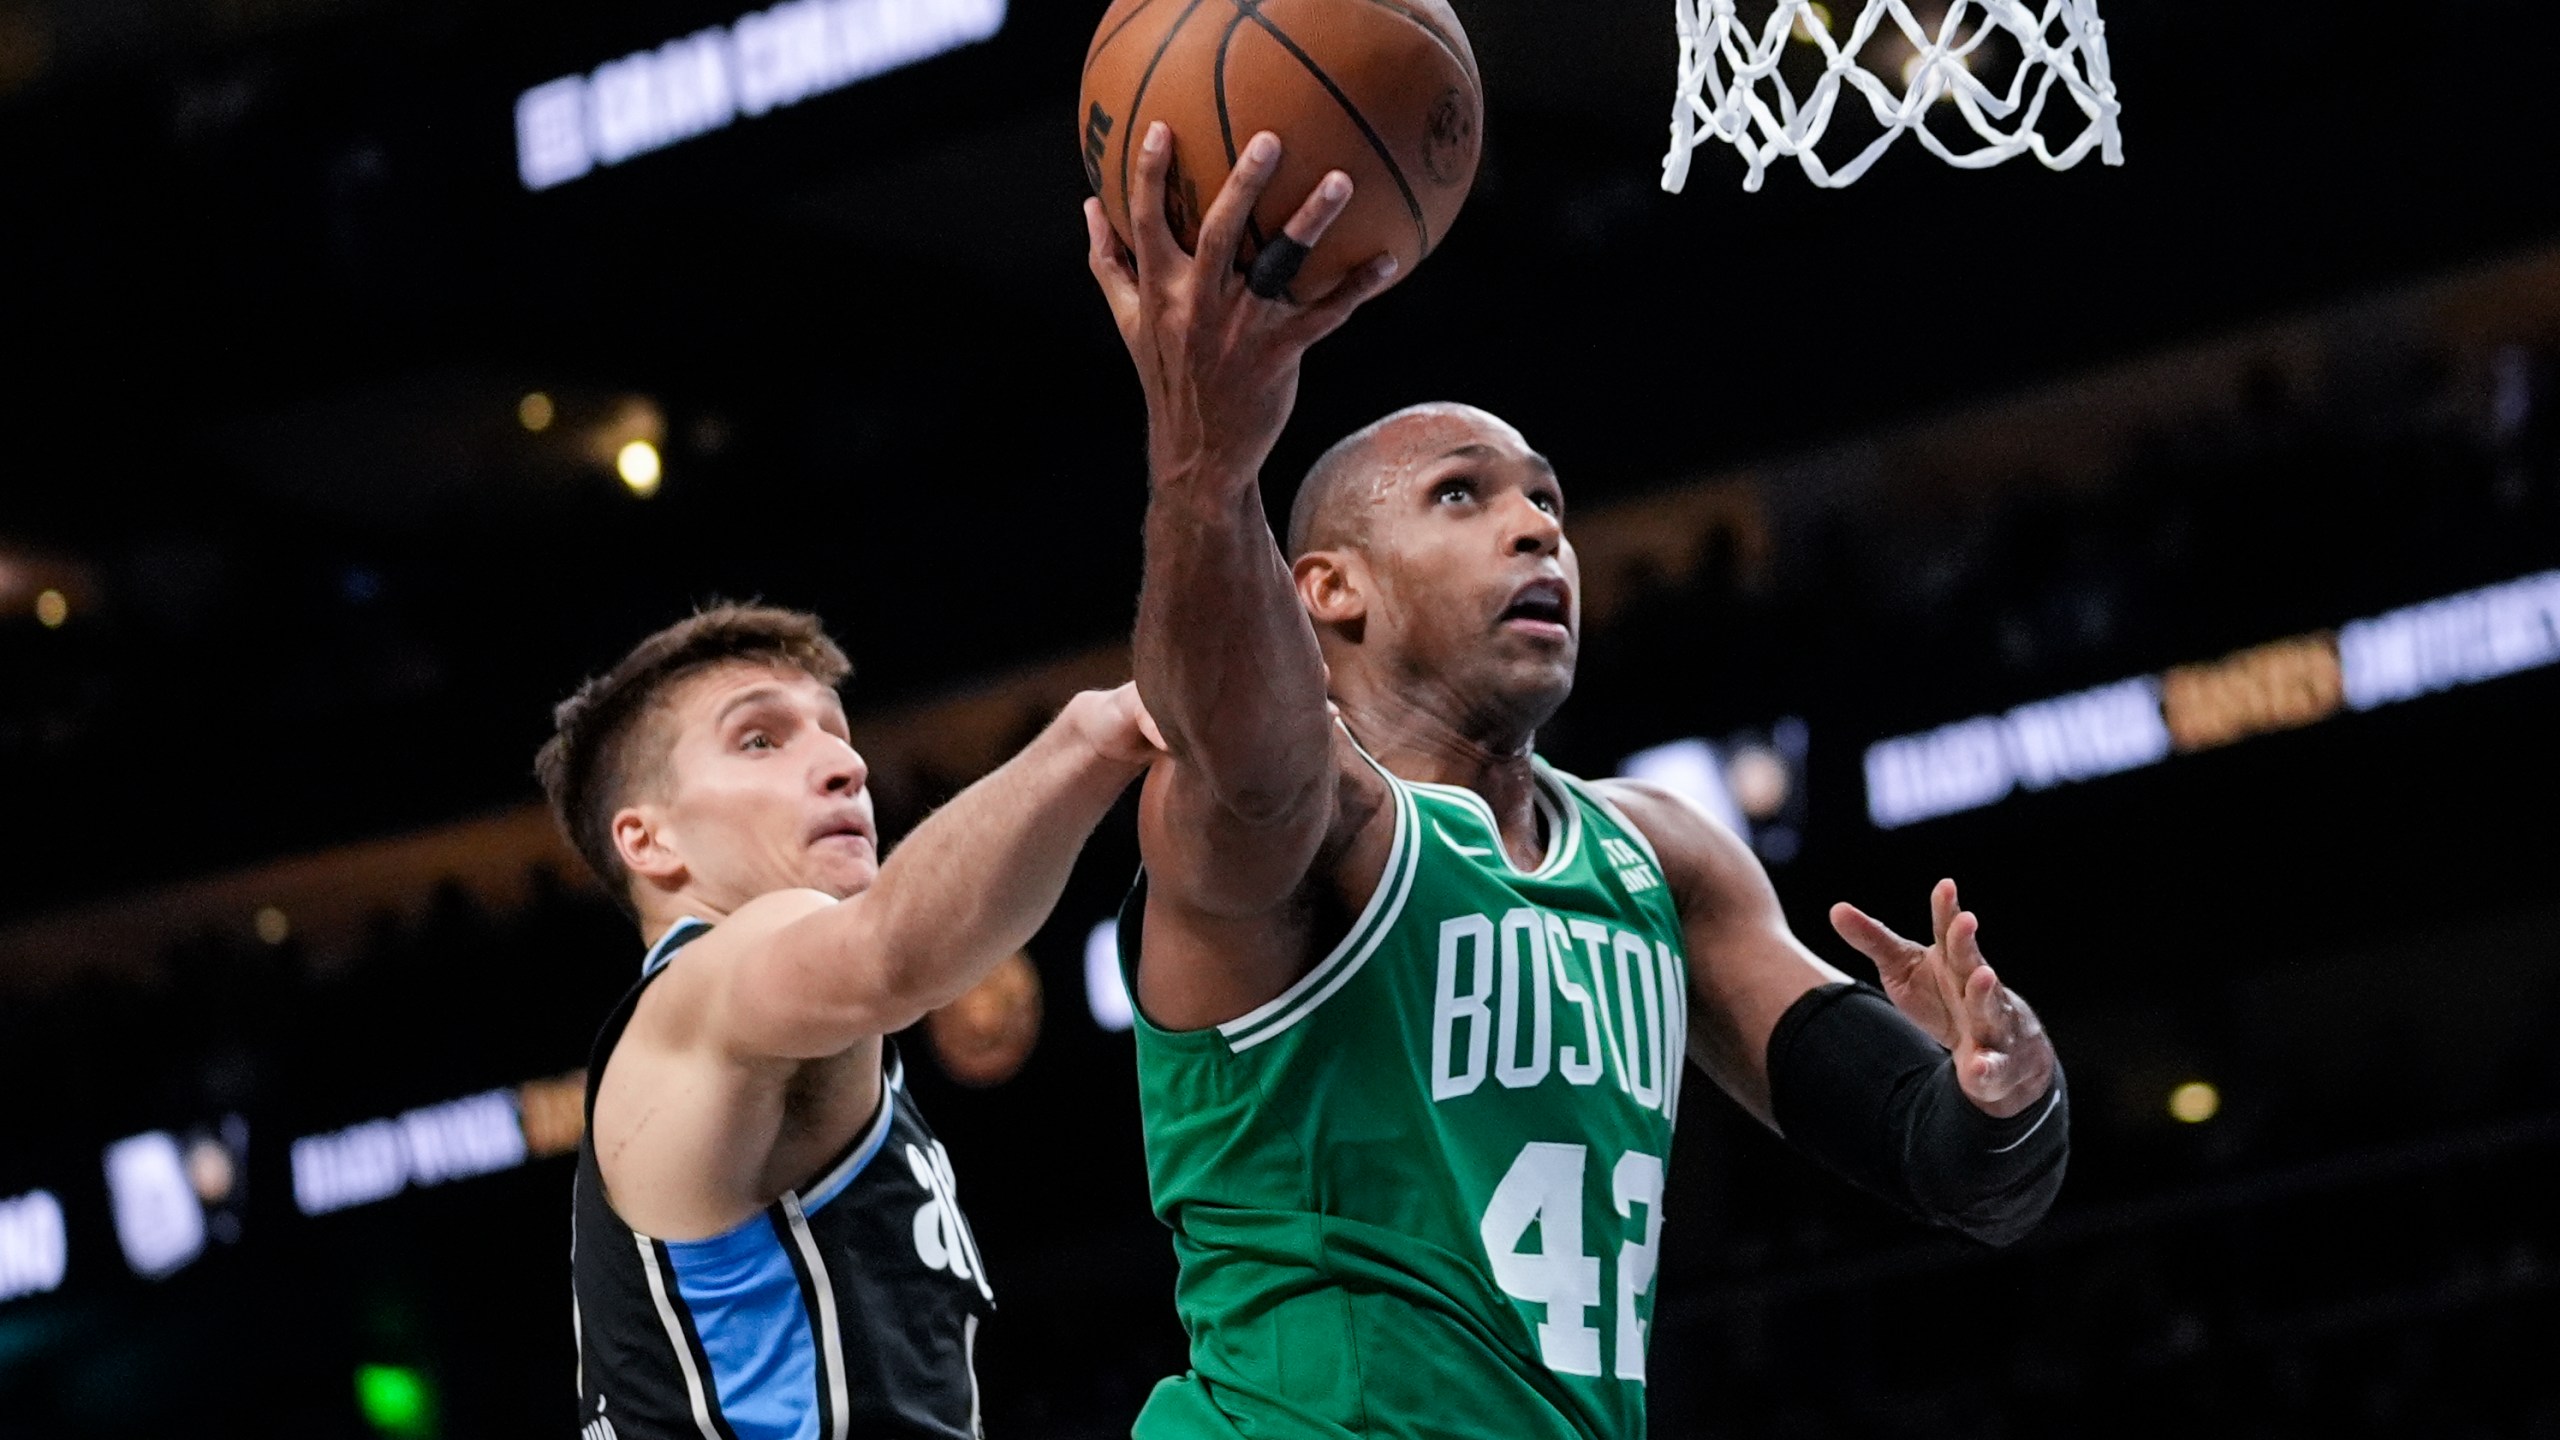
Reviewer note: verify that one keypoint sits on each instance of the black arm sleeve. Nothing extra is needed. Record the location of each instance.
(1857, 1086)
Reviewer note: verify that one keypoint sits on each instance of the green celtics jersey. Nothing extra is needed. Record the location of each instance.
(1420, 1194)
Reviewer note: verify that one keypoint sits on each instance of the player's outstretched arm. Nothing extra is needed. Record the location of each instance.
(966, 888)
(1947, 1100)
(1225, 656)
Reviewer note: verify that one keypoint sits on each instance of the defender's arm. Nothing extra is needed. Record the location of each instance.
(1947, 1101)
(969, 886)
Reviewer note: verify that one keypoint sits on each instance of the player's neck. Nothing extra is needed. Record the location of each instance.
(661, 912)
(1415, 743)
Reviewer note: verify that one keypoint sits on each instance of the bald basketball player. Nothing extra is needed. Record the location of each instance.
(1414, 1003)
(768, 1237)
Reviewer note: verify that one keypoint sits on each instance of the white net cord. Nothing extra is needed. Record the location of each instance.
(1731, 89)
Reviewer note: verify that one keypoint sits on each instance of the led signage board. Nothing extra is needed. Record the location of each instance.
(706, 81)
(2420, 650)
(476, 1135)
(34, 1248)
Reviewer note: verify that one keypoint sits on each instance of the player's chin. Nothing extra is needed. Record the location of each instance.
(1537, 678)
(1543, 649)
(844, 871)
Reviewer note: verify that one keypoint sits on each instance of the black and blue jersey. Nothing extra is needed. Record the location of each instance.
(848, 1307)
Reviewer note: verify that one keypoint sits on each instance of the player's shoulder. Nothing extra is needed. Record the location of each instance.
(675, 1007)
(759, 919)
(1660, 811)
(1692, 845)
(752, 924)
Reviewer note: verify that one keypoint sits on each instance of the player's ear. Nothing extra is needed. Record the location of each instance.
(640, 838)
(1332, 586)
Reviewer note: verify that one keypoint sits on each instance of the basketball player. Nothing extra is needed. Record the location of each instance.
(1414, 1002)
(767, 1241)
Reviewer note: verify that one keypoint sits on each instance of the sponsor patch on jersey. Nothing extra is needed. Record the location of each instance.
(1634, 871)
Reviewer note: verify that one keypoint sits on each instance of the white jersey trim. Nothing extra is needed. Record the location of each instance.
(1472, 852)
(830, 1332)
(660, 953)
(1610, 808)
(1555, 804)
(832, 1184)
(675, 1338)
(1675, 1024)
(969, 1354)
(1396, 847)
(1404, 860)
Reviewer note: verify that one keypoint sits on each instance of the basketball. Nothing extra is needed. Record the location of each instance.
(1385, 91)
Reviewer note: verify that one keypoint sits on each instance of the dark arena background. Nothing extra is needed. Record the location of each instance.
(2170, 553)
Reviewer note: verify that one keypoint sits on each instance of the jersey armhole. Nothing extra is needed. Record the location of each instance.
(1328, 975)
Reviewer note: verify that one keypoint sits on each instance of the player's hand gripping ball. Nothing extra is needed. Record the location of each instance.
(1385, 91)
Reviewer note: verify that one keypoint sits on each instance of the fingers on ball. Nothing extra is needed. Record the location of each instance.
(1323, 205)
(1242, 192)
(1152, 233)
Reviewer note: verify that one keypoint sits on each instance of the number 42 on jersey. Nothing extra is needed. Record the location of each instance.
(1544, 1188)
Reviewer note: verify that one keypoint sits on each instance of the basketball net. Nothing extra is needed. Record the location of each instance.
(1731, 88)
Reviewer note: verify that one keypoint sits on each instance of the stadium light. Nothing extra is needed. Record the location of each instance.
(2194, 1103)
(396, 1400)
(1106, 994)
(159, 1219)
(640, 467)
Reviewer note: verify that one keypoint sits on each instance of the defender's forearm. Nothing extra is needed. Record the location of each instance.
(978, 878)
(1226, 659)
